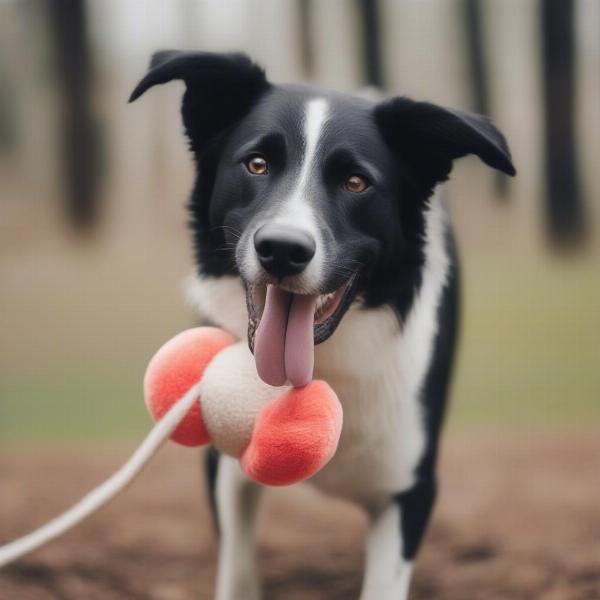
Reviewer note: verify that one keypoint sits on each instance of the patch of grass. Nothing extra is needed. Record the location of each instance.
(529, 355)
(530, 348)
(72, 405)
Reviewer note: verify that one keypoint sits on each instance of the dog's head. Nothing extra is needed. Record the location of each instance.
(313, 197)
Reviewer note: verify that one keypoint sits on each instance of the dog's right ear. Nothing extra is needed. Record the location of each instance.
(220, 89)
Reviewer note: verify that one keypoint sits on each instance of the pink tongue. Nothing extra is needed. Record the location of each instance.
(284, 344)
(299, 340)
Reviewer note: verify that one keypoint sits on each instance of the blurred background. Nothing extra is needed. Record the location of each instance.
(93, 237)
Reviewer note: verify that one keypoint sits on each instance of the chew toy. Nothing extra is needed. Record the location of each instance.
(202, 387)
(281, 435)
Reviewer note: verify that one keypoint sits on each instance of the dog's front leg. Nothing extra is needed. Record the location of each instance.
(393, 541)
(237, 500)
(387, 573)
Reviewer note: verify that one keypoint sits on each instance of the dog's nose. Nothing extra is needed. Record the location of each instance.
(283, 250)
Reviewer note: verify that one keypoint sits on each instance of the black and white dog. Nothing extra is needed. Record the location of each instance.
(324, 195)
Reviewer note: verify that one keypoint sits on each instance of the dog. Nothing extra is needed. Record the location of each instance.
(329, 201)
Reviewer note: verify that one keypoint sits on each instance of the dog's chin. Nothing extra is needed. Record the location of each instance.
(331, 306)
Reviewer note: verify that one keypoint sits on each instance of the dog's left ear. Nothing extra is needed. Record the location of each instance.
(220, 89)
(429, 138)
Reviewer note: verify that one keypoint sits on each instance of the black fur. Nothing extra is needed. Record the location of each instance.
(417, 503)
(211, 468)
(430, 137)
(220, 89)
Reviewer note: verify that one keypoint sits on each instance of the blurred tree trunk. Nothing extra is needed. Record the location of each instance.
(371, 33)
(476, 55)
(80, 139)
(477, 60)
(564, 212)
(305, 9)
(8, 130)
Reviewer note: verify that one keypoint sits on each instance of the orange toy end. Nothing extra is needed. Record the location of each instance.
(178, 365)
(295, 435)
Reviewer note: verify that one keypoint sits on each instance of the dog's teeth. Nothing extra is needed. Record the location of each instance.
(323, 303)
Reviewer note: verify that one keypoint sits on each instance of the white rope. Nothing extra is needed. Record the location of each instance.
(106, 491)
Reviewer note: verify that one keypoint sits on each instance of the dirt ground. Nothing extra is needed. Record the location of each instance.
(518, 518)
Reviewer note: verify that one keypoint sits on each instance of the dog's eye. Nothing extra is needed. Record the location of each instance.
(257, 165)
(356, 184)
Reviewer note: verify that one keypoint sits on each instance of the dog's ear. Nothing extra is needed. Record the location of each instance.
(220, 88)
(430, 137)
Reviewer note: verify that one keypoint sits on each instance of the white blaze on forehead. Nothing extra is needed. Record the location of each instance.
(297, 210)
(314, 122)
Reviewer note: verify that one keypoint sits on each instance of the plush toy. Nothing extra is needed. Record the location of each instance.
(281, 435)
(203, 387)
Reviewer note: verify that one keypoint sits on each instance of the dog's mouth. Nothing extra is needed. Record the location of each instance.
(284, 326)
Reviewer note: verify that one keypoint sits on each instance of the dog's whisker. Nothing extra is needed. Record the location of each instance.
(231, 230)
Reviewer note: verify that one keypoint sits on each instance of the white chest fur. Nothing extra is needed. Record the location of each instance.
(382, 437)
(376, 367)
